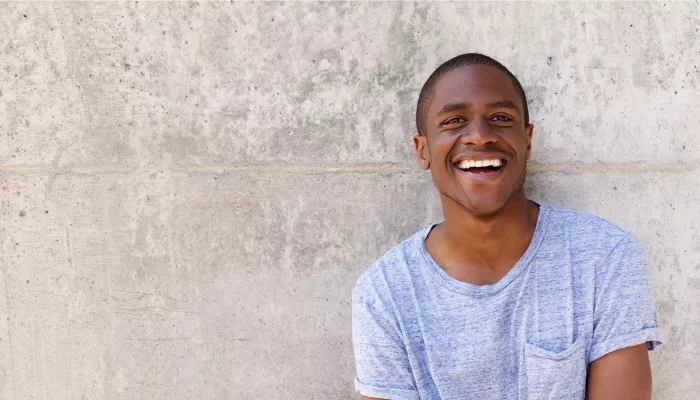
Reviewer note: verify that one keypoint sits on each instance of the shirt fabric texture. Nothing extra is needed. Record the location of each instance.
(581, 290)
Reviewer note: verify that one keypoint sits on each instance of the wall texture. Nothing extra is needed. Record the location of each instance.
(188, 192)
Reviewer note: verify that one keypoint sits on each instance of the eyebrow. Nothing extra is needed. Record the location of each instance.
(495, 104)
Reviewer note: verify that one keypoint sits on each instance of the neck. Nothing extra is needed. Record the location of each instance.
(495, 241)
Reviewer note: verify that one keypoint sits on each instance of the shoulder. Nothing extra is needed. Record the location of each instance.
(594, 246)
(585, 232)
(585, 223)
(391, 273)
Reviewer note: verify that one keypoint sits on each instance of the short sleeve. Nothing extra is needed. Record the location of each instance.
(624, 313)
(383, 369)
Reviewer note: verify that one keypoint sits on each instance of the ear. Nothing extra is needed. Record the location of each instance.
(528, 134)
(422, 151)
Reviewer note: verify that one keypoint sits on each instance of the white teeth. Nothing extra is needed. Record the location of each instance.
(466, 164)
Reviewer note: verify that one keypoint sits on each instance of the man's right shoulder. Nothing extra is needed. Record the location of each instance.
(391, 273)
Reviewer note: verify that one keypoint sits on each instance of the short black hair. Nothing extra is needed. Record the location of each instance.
(462, 60)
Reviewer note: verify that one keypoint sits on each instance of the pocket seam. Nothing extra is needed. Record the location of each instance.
(533, 351)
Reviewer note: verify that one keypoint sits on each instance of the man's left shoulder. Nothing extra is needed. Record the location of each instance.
(585, 231)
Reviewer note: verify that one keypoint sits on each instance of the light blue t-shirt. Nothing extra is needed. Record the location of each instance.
(580, 291)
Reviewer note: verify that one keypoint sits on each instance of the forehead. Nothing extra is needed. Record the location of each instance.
(476, 84)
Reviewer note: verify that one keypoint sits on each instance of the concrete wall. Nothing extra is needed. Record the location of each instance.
(189, 191)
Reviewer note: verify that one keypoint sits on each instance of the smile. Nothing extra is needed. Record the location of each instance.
(493, 165)
(481, 169)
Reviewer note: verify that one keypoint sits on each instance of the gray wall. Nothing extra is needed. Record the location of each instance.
(189, 191)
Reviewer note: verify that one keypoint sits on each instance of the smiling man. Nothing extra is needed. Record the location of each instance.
(506, 298)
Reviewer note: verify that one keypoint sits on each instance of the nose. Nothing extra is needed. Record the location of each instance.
(479, 133)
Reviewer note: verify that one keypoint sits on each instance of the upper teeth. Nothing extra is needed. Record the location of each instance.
(466, 164)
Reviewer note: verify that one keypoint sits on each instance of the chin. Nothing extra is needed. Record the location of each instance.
(485, 208)
(482, 201)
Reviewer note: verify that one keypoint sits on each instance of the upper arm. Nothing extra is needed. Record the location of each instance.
(624, 326)
(623, 374)
(381, 360)
(624, 314)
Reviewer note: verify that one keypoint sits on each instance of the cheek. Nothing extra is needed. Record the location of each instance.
(439, 164)
(442, 145)
(519, 144)
(434, 154)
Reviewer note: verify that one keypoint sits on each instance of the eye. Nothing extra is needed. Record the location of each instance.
(454, 120)
(501, 118)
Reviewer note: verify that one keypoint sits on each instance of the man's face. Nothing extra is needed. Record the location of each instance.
(475, 140)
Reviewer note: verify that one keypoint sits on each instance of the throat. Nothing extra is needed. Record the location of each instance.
(483, 252)
(484, 263)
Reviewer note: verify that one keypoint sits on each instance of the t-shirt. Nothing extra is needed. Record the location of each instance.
(581, 290)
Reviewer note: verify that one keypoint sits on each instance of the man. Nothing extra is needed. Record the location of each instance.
(506, 298)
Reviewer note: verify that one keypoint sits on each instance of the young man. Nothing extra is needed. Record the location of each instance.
(506, 298)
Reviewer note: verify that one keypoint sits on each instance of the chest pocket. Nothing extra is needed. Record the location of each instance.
(556, 376)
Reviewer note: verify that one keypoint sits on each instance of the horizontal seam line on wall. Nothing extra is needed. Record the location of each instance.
(368, 168)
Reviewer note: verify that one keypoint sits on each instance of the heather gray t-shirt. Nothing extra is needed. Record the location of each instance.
(580, 291)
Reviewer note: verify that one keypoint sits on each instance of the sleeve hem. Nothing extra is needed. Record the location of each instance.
(385, 393)
(650, 336)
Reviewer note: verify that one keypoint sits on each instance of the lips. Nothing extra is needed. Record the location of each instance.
(466, 165)
(482, 169)
(481, 156)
